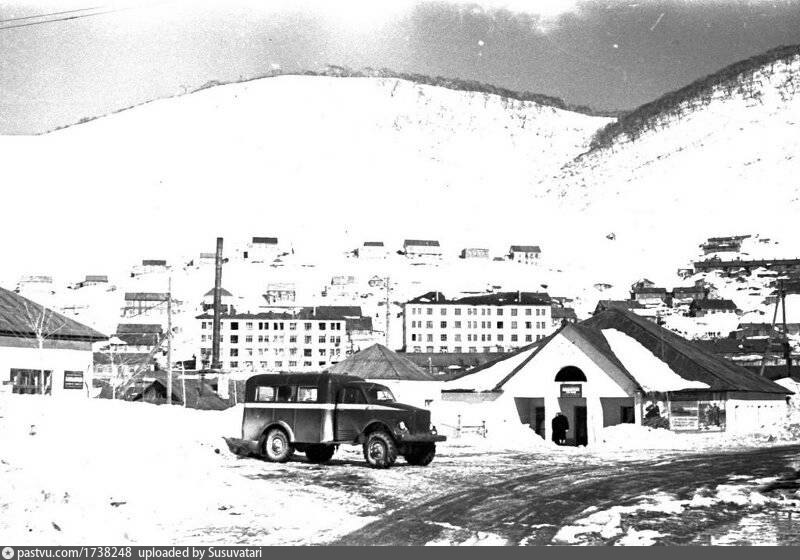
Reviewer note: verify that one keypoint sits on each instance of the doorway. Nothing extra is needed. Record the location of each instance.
(581, 429)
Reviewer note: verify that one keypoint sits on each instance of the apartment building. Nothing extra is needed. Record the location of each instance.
(498, 322)
(312, 339)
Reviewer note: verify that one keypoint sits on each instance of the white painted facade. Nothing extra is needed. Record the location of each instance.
(65, 361)
(444, 327)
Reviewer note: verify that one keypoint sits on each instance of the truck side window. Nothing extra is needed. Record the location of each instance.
(265, 394)
(285, 393)
(351, 395)
(306, 394)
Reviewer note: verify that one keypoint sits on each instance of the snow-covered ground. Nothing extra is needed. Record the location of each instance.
(102, 471)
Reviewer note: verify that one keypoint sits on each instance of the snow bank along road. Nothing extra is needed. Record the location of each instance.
(743, 496)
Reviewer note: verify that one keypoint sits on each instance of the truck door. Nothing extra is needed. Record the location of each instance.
(350, 409)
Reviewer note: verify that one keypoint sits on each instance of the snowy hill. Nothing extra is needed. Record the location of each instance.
(717, 156)
(324, 161)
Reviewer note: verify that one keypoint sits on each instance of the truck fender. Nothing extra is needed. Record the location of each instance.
(278, 424)
(371, 426)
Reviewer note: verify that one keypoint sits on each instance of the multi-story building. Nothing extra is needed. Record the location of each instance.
(312, 339)
(498, 322)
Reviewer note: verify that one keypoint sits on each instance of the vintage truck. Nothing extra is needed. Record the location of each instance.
(313, 413)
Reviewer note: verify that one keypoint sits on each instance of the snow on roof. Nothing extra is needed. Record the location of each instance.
(648, 370)
(492, 374)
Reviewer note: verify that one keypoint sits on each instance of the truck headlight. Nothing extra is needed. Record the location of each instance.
(432, 429)
(402, 426)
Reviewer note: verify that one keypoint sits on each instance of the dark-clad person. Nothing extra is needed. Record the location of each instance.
(560, 426)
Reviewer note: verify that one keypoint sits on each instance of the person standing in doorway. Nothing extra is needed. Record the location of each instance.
(560, 426)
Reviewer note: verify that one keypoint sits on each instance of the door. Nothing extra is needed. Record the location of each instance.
(581, 430)
(538, 415)
(351, 405)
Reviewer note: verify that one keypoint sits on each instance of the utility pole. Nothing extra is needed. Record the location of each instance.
(387, 280)
(169, 340)
(215, 333)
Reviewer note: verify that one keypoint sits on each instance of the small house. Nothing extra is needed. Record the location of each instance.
(423, 249)
(526, 254)
(371, 250)
(474, 253)
(705, 307)
(262, 250)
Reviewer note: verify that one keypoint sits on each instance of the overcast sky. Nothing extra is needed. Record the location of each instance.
(609, 54)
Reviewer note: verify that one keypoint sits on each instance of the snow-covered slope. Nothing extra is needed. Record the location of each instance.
(324, 161)
(719, 156)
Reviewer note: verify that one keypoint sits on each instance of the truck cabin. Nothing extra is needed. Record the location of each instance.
(315, 387)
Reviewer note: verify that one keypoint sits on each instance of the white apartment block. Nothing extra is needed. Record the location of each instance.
(264, 342)
(500, 322)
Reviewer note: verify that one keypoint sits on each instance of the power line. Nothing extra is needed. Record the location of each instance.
(76, 16)
(51, 14)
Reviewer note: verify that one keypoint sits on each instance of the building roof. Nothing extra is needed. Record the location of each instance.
(373, 243)
(96, 278)
(200, 394)
(129, 328)
(688, 290)
(140, 339)
(154, 262)
(146, 296)
(265, 241)
(686, 359)
(604, 304)
(359, 324)
(127, 358)
(563, 313)
(420, 243)
(649, 290)
(725, 304)
(378, 362)
(496, 298)
(320, 313)
(19, 317)
(457, 361)
(525, 249)
(223, 292)
(734, 346)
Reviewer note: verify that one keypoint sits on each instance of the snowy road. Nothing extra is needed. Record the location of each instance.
(689, 500)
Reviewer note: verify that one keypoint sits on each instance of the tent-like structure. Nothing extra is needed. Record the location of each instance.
(378, 362)
(410, 383)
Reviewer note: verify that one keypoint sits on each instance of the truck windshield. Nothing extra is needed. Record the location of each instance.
(378, 393)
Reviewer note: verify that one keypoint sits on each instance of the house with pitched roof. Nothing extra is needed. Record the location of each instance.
(41, 351)
(422, 249)
(262, 249)
(616, 368)
(526, 254)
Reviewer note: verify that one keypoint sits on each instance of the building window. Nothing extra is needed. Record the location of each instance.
(513, 338)
(527, 311)
(234, 365)
(234, 325)
(457, 324)
(528, 338)
(429, 349)
(249, 326)
(513, 324)
(234, 352)
(457, 311)
(307, 326)
(443, 338)
(499, 324)
(307, 340)
(322, 340)
(500, 337)
(429, 324)
(307, 352)
(429, 310)
(429, 338)
(458, 338)
(322, 326)
(234, 339)
(443, 324)
(514, 312)
(248, 339)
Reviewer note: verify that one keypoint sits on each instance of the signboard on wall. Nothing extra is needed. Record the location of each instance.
(574, 390)
(73, 380)
(694, 416)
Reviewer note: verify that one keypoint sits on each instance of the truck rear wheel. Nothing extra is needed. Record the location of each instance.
(380, 451)
(319, 453)
(277, 447)
(421, 454)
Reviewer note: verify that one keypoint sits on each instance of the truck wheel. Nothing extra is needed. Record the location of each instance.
(421, 454)
(277, 447)
(319, 453)
(380, 451)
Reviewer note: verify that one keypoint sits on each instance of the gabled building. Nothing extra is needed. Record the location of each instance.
(262, 250)
(422, 249)
(651, 295)
(704, 307)
(93, 280)
(561, 315)
(145, 305)
(226, 301)
(526, 254)
(615, 368)
(685, 295)
(371, 250)
(42, 351)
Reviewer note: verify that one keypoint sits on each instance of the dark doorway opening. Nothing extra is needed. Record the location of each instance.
(581, 429)
(626, 415)
(539, 421)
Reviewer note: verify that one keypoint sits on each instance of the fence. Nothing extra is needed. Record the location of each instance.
(461, 429)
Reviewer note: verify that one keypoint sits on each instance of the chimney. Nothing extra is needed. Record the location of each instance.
(215, 363)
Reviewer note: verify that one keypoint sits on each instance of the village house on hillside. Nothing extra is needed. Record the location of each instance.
(732, 244)
(525, 254)
(93, 280)
(42, 351)
(747, 266)
(615, 368)
(763, 330)
(561, 315)
(685, 295)
(474, 253)
(371, 250)
(422, 249)
(150, 266)
(497, 322)
(145, 305)
(704, 307)
(280, 294)
(262, 250)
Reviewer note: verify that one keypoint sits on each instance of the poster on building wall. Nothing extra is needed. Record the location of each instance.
(683, 416)
(703, 416)
(73, 380)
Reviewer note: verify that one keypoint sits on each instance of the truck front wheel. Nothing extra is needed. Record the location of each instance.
(277, 447)
(421, 454)
(380, 451)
